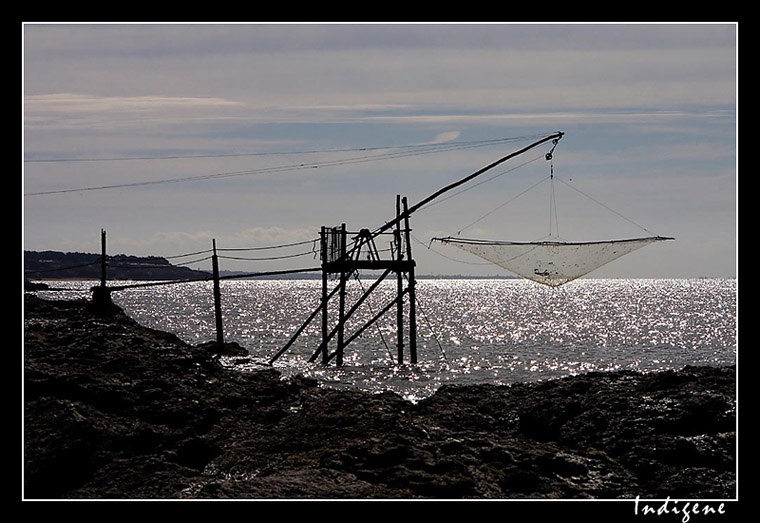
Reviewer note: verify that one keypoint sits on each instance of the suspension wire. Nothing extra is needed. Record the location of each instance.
(502, 205)
(607, 207)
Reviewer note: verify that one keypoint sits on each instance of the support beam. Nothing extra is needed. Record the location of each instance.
(327, 337)
(302, 327)
(375, 318)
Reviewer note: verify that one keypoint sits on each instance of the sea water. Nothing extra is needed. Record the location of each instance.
(469, 331)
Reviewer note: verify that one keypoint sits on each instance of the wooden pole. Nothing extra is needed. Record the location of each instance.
(323, 250)
(412, 290)
(217, 299)
(399, 286)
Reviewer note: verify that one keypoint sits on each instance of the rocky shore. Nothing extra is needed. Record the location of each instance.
(115, 410)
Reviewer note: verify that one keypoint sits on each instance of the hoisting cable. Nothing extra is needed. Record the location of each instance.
(548, 156)
(552, 197)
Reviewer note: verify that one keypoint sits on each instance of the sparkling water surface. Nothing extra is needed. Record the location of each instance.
(497, 331)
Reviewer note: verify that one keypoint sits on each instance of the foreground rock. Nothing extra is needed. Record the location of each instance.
(117, 410)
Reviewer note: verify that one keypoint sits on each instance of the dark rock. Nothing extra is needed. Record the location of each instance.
(115, 410)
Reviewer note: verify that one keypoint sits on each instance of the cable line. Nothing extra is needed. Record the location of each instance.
(291, 167)
(271, 153)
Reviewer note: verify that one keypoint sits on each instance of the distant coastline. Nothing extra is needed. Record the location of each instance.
(56, 265)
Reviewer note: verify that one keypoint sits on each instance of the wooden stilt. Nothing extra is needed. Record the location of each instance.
(412, 290)
(323, 250)
(399, 286)
(342, 300)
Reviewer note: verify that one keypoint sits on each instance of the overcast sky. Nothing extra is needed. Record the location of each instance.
(169, 136)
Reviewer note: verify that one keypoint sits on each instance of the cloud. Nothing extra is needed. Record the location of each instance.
(74, 109)
(448, 136)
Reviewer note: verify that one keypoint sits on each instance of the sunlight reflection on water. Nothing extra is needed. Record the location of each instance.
(469, 331)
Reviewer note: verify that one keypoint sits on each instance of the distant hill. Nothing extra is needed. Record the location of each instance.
(77, 265)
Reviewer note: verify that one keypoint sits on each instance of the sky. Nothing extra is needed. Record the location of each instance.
(172, 136)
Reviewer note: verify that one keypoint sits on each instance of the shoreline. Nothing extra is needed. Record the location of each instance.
(116, 410)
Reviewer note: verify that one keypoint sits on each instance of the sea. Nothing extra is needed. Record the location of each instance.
(469, 331)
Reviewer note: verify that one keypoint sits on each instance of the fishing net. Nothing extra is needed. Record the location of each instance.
(551, 263)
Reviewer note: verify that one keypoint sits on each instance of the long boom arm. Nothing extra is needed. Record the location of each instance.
(556, 136)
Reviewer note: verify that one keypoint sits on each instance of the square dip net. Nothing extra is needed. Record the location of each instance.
(551, 263)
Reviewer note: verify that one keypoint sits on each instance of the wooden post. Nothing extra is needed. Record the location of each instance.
(399, 286)
(101, 296)
(412, 290)
(323, 250)
(217, 299)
